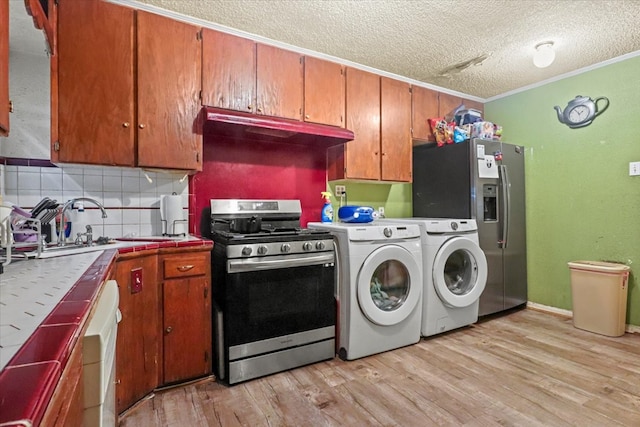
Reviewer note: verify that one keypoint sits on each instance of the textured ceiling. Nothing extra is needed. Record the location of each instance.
(421, 39)
(417, 39)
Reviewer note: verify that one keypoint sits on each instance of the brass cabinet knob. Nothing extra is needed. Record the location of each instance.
(125, 125)
(184, 268)
(169, 329)
(141, 125)
(306, 116)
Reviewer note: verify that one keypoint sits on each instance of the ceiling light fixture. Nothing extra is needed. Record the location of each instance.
(544, 55)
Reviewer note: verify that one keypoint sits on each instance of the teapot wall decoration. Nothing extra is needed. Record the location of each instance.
(581, 111)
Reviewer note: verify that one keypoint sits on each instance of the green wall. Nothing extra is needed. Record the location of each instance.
(581, 202)
(395, 198)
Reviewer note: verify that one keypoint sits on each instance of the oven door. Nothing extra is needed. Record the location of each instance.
(278, 296)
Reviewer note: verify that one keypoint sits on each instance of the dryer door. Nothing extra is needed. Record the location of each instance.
(389, 285)
(459, 272)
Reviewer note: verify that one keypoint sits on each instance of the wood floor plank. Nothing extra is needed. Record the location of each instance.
(526, 368)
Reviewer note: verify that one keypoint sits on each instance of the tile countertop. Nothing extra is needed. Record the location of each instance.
(44, 304)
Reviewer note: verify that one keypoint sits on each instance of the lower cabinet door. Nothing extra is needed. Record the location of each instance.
(187, 329)
(138, 343)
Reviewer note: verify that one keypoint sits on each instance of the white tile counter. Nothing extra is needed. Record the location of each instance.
(29, 291)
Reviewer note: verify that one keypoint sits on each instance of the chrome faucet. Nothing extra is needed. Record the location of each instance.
(67, 205)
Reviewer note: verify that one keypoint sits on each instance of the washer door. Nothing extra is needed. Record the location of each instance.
(459, 272)
(389, 285)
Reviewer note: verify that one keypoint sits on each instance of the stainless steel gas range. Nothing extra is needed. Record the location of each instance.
(273, 288)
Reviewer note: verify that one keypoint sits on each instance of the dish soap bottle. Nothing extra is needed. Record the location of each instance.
(327, 209)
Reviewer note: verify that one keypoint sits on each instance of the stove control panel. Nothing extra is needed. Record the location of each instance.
(247, 250)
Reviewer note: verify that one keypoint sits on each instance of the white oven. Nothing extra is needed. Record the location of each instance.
(99, 360)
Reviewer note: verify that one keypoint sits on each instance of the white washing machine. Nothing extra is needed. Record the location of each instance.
(379, 290)
(455, 273)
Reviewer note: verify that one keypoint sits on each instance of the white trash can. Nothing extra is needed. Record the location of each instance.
(599, 295)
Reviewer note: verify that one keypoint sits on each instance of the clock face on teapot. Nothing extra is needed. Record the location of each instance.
(581, 111)
(579, 114)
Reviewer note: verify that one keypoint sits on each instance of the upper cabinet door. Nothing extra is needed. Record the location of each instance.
(362, 159)
(169, 67)
(4, 68)
(447, 103)
(324, 92)
(228, 71)
(93, 117)
(425, 107)
(279, 88)
(395, 134)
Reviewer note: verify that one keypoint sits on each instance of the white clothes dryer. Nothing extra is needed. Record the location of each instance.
(455, 273)
(379, 291)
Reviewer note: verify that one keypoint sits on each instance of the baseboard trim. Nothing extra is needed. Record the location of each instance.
(632, 329)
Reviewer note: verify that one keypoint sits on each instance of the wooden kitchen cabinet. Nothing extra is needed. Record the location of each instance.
(92, 81)
(187, 316)
(240, 74)
(448, 103)
(5, 103)
(125, 88)
(360, 158)
(379, 114)
(228, 71)
(428, 103)
(324, 92)
(138, 345)
(424, 106)
(395, 130)
(169, 67)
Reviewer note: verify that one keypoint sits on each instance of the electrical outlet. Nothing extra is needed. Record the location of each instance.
(381, 211)
(340, 190)
(634, 168)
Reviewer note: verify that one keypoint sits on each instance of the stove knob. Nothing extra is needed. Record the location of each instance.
(246, 251)
(285, 248)
(387, 232)
(307, 246)
(262, 250)
(320, 246)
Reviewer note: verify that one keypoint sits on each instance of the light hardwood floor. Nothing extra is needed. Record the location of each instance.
(527, 368)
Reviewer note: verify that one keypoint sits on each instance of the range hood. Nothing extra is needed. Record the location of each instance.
(219, 122)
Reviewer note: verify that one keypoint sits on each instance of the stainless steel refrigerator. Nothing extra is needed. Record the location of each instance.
(482, 180)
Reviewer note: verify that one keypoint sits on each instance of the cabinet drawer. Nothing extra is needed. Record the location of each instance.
(185, 266)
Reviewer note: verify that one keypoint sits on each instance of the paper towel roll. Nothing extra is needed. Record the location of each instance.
(172, 215)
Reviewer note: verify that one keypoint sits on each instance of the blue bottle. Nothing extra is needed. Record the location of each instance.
(327, 209)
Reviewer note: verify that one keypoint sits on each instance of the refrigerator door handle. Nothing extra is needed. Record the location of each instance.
(506, 206)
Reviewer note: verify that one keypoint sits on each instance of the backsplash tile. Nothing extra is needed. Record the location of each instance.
(130, 196)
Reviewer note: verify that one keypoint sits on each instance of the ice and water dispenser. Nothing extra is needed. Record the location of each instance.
(490, 197)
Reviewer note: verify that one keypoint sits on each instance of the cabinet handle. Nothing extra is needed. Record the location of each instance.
(10, 106)
(169, 329)
(306, 116)
(141, 125)
(249, 108)
(125, 125)
(184, 268)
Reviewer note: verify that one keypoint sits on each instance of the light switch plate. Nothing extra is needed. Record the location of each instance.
(634, 168)
(136, 280)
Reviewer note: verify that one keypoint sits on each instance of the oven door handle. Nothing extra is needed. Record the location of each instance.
(270, 263)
